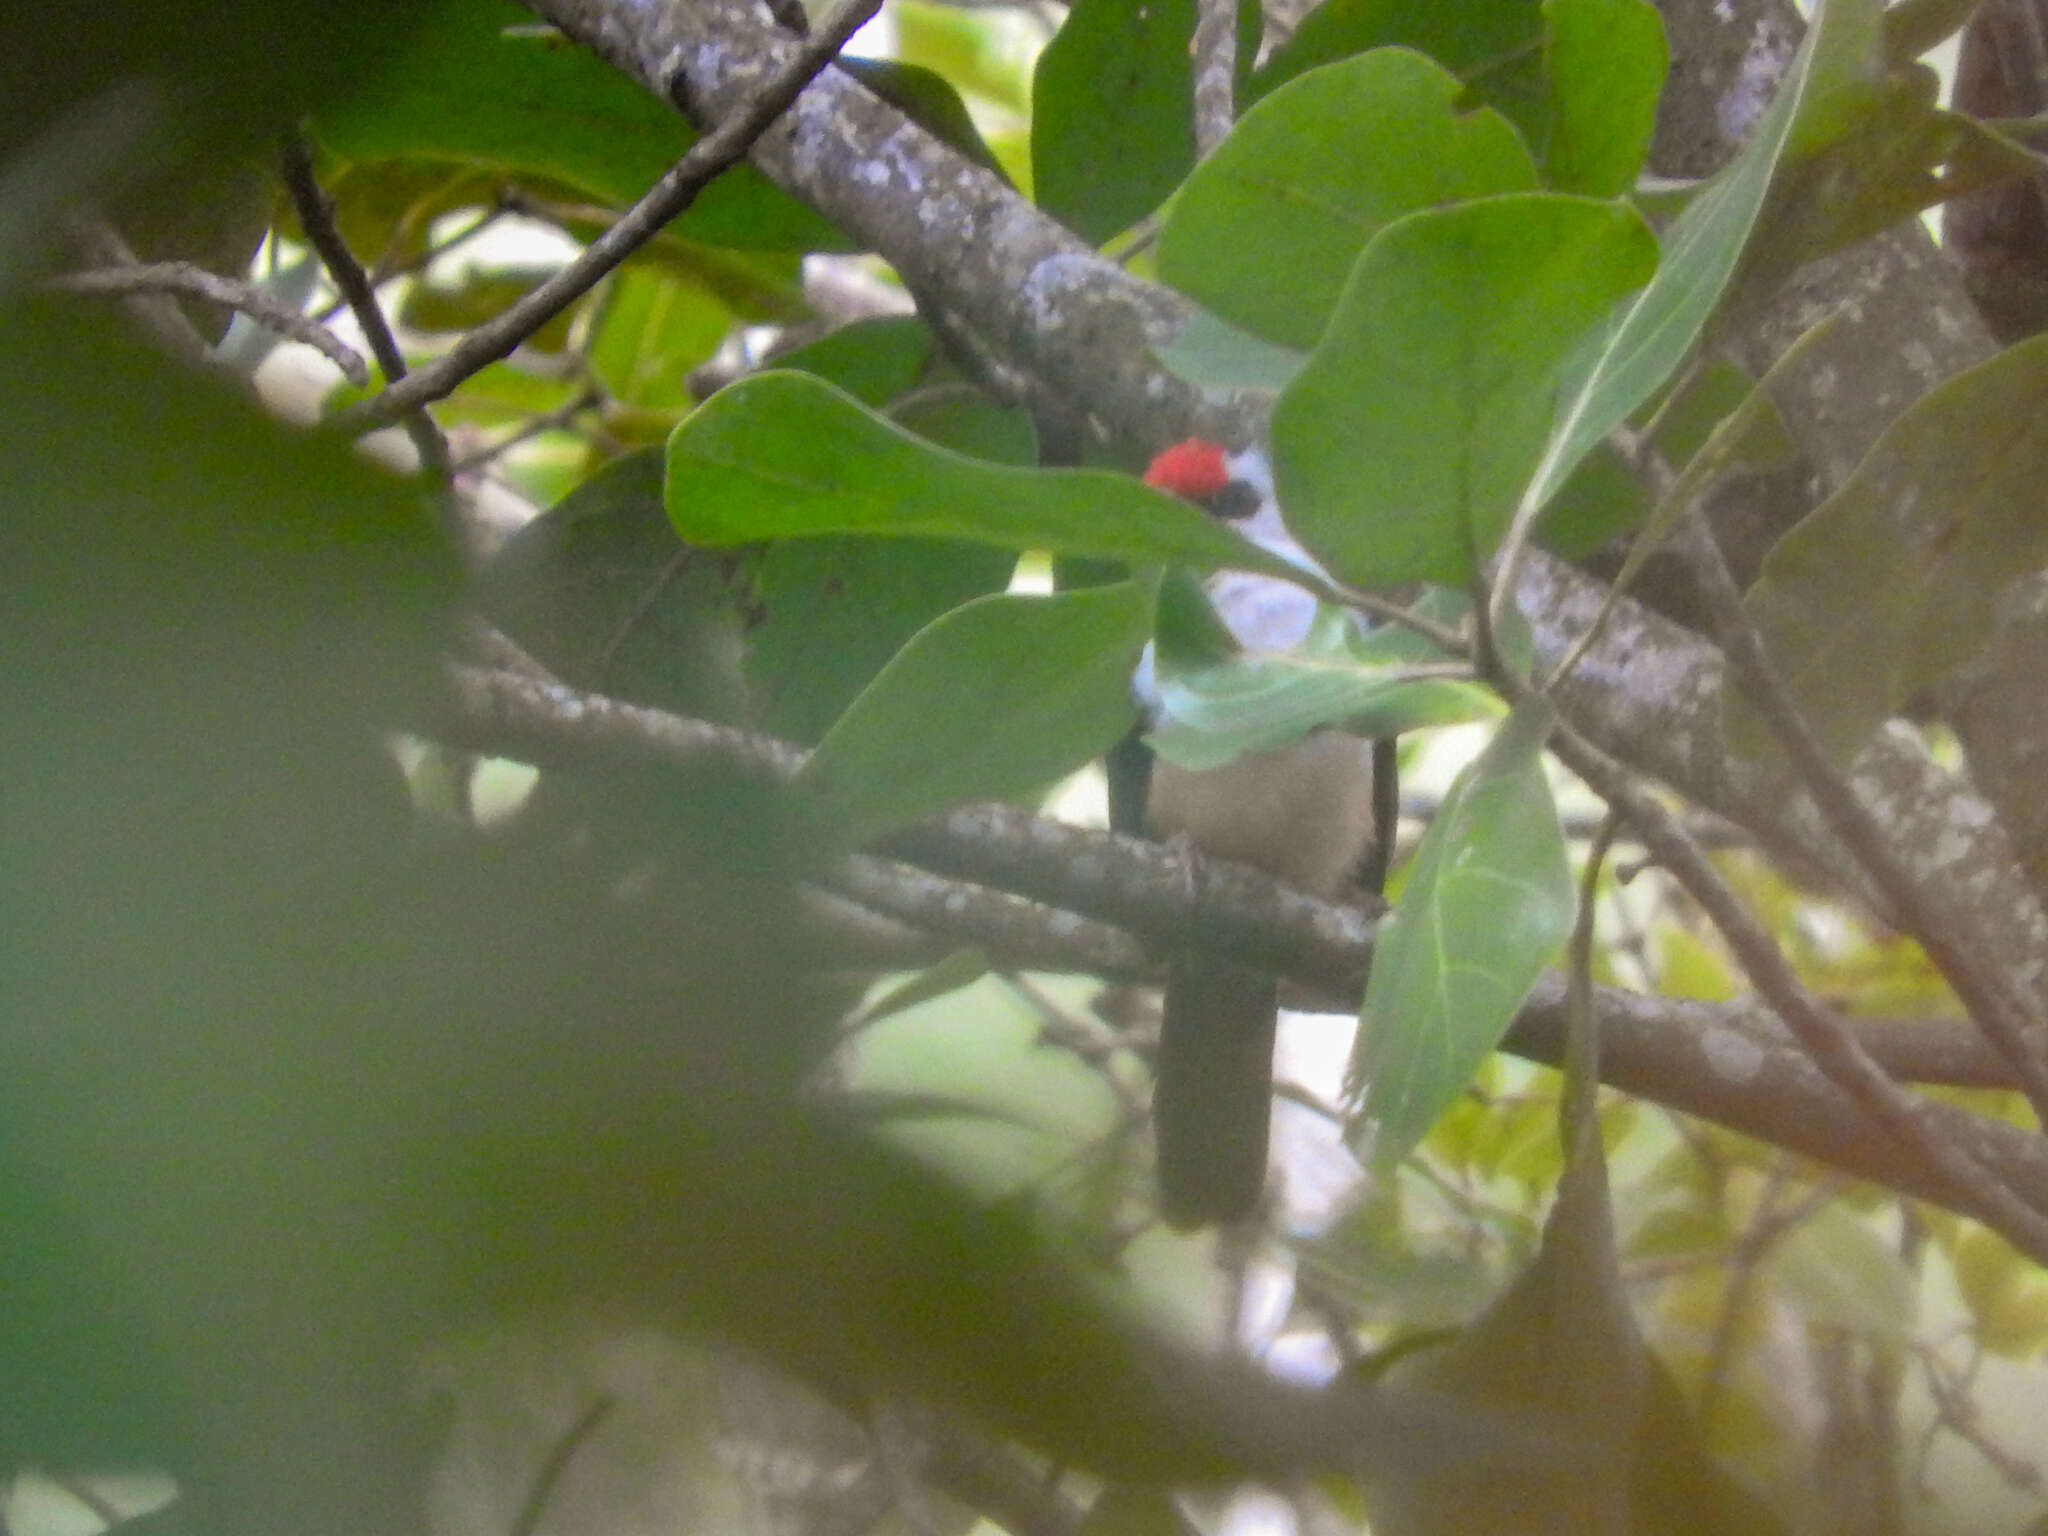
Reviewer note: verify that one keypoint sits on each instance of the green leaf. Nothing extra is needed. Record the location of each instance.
(1403, 446)
(829, 613)
(1215, 354)
(471, 90)
(1316, 170)
(1878, 170)
(1601, 501)
(1219, 707)
(1647, 340)
(653, 329)
(996, 698)
(1494, 46)
(874, 360)
(459, 300)
(2004, 1291)
(964, 419)
(1895, 578)
(928, 99)
(1490, 899)
(782, 455)
(1603, 64)
(601, 590)
(1112, 126)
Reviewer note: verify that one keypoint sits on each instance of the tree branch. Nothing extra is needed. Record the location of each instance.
(1731, 1063)
(954, 231)
(1215, 54)
(1831, 1046)
(1648, 693)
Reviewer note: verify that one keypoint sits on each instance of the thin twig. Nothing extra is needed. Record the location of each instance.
(549, 1477)
(246, 298)
(1956, 1410)
(670, 196)
(101, 244)
(1995, 1009)
(385, 268)
(546, 421)
(316, 216)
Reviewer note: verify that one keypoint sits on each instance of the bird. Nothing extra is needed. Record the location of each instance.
(1305, 813)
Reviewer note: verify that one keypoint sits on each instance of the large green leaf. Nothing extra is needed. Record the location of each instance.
(995, 698)
(601, 590)
(1494, 46)
(829, 613)
(1895, 578)
(1211, 352)
(784, 455)
(477, 87)
(1402, 448)
(1316, 170)
(1603, 66)
(1490, 900)
(1652, 335)
(1112, 126)
(874, 360)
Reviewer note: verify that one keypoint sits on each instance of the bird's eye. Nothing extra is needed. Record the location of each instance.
(1235, 501)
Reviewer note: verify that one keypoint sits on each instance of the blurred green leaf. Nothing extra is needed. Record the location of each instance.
(1316, 170)
(1894, 579)
(1027, 1108)
(385, 209)
(1402, 448)
(783, 455)
(1489, 901)
(996, 698)
(1839, 1271)
(1603, 64)
(477, 87)
(964, 47)
(652, 328)
(1126, 1511)
(498, 394)
(459, 300)
(1600, 502)
(601, 591)
(2007, 1298)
